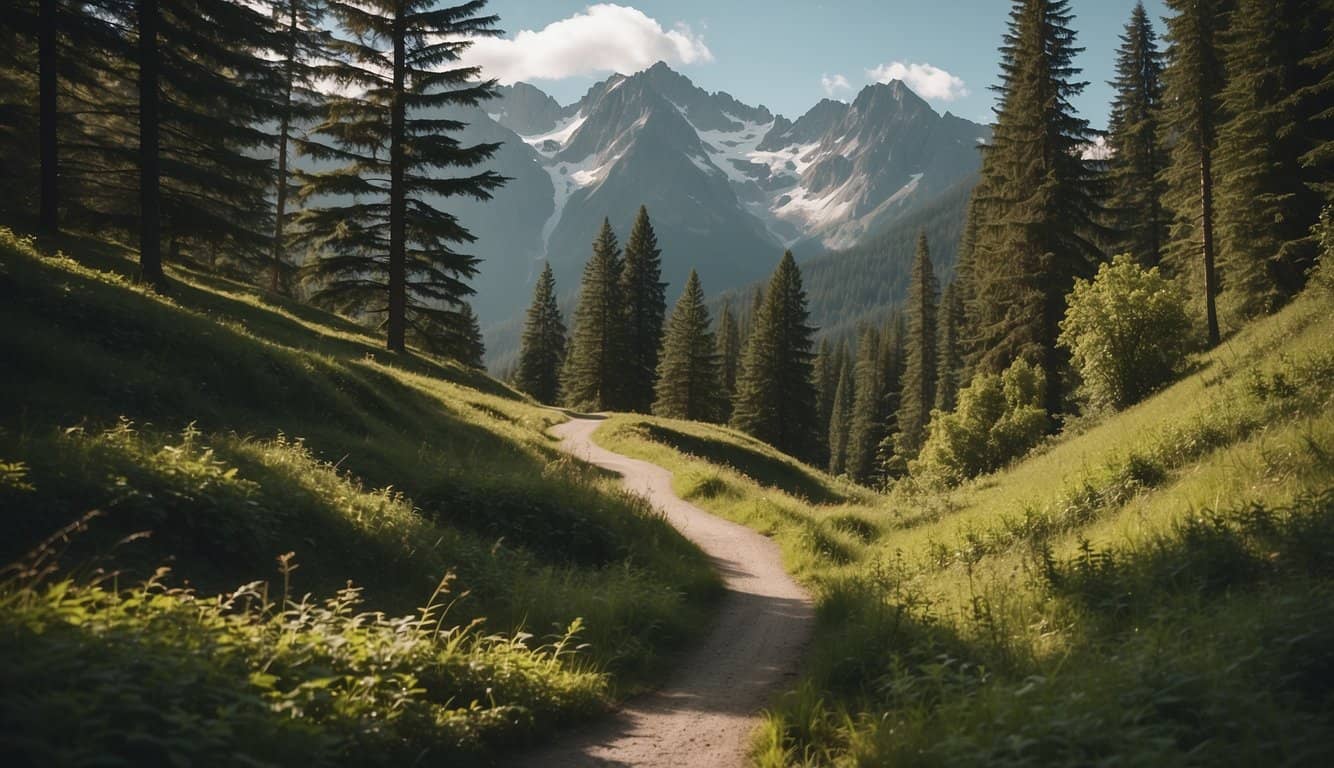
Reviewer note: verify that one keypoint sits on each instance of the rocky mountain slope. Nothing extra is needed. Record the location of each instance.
(728, 185)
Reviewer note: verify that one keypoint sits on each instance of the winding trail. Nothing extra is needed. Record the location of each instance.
(704, 715)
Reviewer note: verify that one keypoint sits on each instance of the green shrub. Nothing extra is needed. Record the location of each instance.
(999, 418)
(1127, 332)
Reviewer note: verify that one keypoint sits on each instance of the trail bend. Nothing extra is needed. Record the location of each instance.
(704, 714)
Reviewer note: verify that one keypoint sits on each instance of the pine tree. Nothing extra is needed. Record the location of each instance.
(468, 348)
(301, 47)
(887, 464)
(1136, 189)
(384, 247)
(644, 297)
(1036, 207)
(1318, 160)
(867, 425)
(48, 222)
(596, 356)
(949, 348)
(1193, 81)
(920, 363)
(209, 88)
(1265, 206)
(729, 355)
(825, 377)
(543, 348)
(840, 418)
(688, 381)
(775, 400)
(150, 174)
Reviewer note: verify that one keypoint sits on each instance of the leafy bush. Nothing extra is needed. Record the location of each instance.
(999, 418)
(1127, 332)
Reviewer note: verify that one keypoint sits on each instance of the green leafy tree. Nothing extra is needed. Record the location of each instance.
(1127, 332)
(644, 297)
(688, 382)
(542, 352)
(596, 356)
(920, 365)
(999, 419)
(1266, 207)
(1140, 221)
(840, 418)
(729, 355)
(949, 347)
(1192, 109)
(384, 248)
(775, 400)
(1036, 210)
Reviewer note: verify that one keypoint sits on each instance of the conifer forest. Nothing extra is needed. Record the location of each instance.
(457, 382)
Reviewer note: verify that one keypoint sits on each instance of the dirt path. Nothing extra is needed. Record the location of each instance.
(703, 716)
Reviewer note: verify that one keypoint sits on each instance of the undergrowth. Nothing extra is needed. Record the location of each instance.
(1150, 589)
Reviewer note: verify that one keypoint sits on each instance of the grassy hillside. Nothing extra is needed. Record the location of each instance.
(1153, 590)
(214, 430)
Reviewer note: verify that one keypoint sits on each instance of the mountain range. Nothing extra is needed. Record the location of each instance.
(728, 186)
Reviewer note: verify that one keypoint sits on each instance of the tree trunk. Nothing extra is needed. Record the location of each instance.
(275, 273)
(1207, 232)
(150, 202)
(397, 325)
(48, 215)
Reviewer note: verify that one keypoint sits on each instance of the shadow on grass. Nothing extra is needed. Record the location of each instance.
(786, 475)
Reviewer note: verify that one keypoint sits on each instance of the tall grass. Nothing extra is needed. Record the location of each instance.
(1152, 589)
(213, 428)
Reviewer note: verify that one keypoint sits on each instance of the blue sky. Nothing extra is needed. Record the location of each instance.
(789, 55)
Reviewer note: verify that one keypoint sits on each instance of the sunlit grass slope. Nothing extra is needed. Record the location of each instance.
(230, 428)
(1153, 590)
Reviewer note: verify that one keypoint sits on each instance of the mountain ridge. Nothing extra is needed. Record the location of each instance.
(728, 185)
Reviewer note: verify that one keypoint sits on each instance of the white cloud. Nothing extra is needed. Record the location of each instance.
(604, 38)
(832, 84)
(927, 81)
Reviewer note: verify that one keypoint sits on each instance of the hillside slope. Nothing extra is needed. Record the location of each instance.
(1154, 590)
(233, 429)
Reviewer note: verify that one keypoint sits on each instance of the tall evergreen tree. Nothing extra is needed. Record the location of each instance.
(840, 418)
(1136, 189)
(543, 348)
(920, 363)
(469, 348)
(887, 463)
(48, 221)
(729, 355)
(1193, 82)
(1318, 161)
(775, 398)
(867, 426)
(1265, 205)
(596, 357)
(209, 88)
(644, 296)
(949, 348)
(300, 51)
(825, 377)
(384, 247)
(688, 381)
(1036, 207)
(150, 173)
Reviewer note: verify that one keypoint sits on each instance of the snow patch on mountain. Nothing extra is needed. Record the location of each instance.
(558, 136)
(568, 178)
